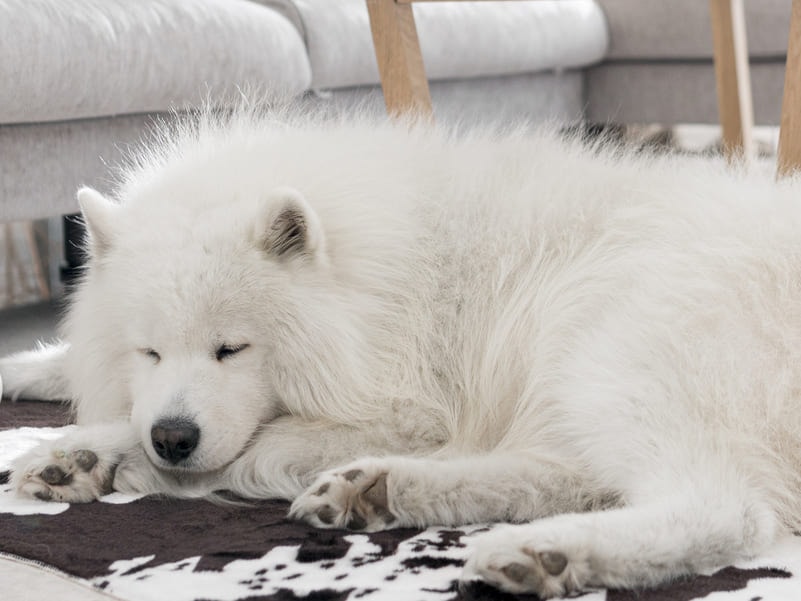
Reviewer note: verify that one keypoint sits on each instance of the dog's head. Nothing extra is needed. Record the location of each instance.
(218, 318)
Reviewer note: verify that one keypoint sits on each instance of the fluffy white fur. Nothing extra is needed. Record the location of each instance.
(438, 329)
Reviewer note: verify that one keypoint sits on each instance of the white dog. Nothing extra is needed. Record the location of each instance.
(394, 326)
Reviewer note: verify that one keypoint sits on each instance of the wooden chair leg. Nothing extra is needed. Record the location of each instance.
(732, 77)
(400, 62)
(790, 127)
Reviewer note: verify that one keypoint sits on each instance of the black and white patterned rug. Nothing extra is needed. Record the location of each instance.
(137, 549)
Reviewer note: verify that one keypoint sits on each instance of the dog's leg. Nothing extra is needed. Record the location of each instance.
(37, 374)
(390, 492)
(638, 546)
(288, 453)
(78, 467)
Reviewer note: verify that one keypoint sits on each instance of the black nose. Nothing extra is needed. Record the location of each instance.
(174, 439)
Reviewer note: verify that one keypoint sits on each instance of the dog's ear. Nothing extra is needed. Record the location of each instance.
(98, 215)
(289, 227)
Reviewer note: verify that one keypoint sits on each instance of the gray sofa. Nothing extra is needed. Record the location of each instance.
(658, 67)
(84, 78)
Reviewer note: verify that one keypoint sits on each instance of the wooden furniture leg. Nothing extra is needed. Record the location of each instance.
(790, 127)
(403, 79)
(732, 77)
(400, 62)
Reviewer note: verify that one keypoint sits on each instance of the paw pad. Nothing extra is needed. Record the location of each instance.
(553, 562)
(84, 459)
(54, 475)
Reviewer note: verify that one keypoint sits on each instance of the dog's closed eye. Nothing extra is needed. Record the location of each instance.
(151, 354)
(225, 351)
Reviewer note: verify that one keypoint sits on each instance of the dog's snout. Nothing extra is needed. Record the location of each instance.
(174, 439)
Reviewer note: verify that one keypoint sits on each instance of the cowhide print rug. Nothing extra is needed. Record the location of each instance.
(140, 549)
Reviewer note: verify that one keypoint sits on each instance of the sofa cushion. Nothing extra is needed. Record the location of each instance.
(681, 29)
(458, 40)
(66, 59)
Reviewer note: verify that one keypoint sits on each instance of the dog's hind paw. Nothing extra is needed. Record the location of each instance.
(514, 563)
(354, 497)
(72, 476)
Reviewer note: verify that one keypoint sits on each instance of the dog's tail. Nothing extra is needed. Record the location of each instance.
(38, 374)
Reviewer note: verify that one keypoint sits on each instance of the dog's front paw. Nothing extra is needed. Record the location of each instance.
(516, 560)
(354, 497)
(53, 473)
